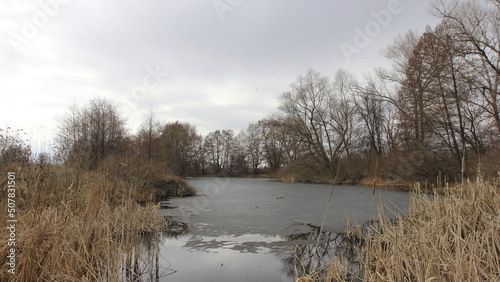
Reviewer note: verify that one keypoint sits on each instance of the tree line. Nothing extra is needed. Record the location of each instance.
(435, 112)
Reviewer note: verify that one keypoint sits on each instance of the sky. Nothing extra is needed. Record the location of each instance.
(217, 64)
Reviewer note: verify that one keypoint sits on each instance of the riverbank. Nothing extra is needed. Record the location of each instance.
(453, 237)
(81, 225)
(395, 184)
(366, 182)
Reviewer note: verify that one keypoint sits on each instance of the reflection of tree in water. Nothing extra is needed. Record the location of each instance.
(176, 229)
(298, 253)
(145, 263)
(307, 257)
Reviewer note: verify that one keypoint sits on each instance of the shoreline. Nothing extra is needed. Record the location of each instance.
(403, 187)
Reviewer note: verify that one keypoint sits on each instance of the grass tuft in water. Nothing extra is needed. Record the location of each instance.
(453, 235)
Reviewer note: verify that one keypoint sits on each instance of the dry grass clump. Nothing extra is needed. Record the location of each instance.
(149, 182)
(306, 170)
(76, 226)
(454, 237)
(336, 270)
(172, 186)
(451, 236)
(380, 182)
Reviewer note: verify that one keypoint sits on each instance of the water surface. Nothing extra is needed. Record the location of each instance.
(247, 229)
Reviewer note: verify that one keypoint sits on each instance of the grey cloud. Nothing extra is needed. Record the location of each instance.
(224, 74)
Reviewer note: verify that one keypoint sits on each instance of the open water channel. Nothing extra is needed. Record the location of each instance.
(256, 229)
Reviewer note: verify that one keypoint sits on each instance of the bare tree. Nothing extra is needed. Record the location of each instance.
(280, 145)
(238, 156)
(398, 53)
(218, 148)
(474, 25)
(179, 146)
(213, 147)
(370, 110)
(341, 112)
(198, 157)
(252, 141)
(149, 135)
(306, 109)
(89, 134)
(321, 115)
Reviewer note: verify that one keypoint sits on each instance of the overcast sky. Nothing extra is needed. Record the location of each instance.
(215, 64)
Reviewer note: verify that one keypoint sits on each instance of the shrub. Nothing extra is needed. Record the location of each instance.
(148, 182)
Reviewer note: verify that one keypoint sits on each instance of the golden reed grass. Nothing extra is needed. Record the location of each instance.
(453, 235)
(76, 226)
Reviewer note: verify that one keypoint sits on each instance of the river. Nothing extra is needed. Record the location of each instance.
(256, 229)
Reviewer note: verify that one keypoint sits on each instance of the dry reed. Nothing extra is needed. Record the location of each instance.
(450, 236)
(76, 226)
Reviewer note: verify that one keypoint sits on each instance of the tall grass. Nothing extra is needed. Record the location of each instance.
(77, 226)
(451, 236)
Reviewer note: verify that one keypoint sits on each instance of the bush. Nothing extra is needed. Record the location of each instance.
(306, 170)
(13, 148)
(148, 182)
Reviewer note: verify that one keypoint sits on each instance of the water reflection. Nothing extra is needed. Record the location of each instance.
(181, 256)
(149, 264)
(316, 249)
(144, 262)
(245, 233)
